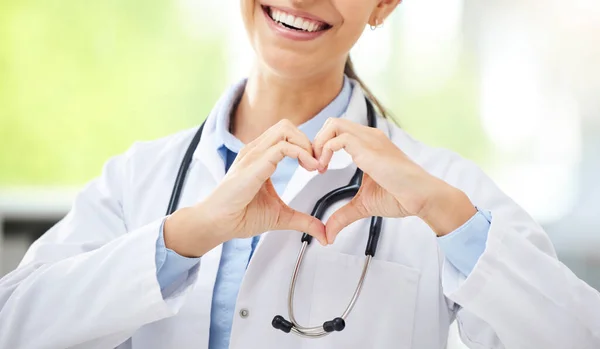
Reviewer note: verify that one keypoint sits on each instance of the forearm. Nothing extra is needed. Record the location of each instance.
(446, 208)
(190, 232)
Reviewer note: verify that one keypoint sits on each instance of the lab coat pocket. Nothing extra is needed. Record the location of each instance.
(384, 312)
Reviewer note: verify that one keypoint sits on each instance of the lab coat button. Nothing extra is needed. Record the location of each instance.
(244, 313)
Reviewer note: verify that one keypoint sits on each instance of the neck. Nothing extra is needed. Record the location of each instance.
(269, 98)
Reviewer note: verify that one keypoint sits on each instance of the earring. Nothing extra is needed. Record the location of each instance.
(377, 24)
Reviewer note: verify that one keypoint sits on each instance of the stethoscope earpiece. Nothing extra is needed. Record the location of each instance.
(282, 324)
(336, 324)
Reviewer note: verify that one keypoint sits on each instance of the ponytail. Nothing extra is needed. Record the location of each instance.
(351, 73)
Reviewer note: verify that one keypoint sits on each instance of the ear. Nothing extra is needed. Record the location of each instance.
(382, 11)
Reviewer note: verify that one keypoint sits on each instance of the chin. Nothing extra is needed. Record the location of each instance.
(292, 65)
(289, 68)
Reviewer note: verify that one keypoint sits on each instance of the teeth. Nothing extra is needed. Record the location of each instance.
(293, 21)
(289, 20)
(298, 23)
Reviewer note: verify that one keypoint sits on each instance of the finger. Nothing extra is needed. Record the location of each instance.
(344, 141)
(265, 166)
(347, 214)
(291, 219)
(333, 128)
(285, 149)
(284, 130)
(327, 132)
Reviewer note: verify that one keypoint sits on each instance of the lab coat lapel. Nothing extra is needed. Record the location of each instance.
(206, 151)
(192, 323)
(206, 171)
(202, 179)
(210, 158)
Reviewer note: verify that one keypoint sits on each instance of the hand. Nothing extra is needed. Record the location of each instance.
(392, 186)
(245, 203)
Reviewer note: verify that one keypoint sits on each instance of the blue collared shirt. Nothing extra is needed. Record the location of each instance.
(462, 248)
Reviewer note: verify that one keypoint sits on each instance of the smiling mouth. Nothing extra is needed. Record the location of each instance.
(289, 21)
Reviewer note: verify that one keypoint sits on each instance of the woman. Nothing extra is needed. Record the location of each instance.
(115, 272)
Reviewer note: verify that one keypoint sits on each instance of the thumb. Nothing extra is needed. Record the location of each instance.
(343, 217)
(291, 219)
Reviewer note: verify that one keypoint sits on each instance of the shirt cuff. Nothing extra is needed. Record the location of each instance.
(465, 245)
(170, 265)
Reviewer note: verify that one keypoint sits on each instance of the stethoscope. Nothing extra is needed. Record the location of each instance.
(345, 192)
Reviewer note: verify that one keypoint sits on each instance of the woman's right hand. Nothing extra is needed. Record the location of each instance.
(245, 203)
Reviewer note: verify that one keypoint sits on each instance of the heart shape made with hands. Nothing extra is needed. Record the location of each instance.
(383, 165)
(248, 205)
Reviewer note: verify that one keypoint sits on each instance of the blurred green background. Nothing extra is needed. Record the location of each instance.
(80, 82)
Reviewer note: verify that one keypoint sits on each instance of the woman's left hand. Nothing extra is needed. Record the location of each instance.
(393, 185)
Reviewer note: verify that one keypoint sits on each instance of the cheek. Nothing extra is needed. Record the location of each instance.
(356, 14)
(247, 14)
(347, 36)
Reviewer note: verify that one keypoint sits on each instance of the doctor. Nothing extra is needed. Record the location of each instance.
(117, 272)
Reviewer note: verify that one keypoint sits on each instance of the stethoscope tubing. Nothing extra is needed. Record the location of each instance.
(317, 331)
(337, 324)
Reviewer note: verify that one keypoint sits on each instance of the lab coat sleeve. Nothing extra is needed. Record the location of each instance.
(88, 282)
(518, 294)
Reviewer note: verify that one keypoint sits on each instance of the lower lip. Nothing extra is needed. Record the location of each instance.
(298, 35)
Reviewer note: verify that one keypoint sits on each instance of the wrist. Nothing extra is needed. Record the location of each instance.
(447, 209)
(189, 232)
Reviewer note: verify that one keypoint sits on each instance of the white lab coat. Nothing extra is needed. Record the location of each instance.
(90, 282)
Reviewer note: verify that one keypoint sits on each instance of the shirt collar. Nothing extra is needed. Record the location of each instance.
(224, 140)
